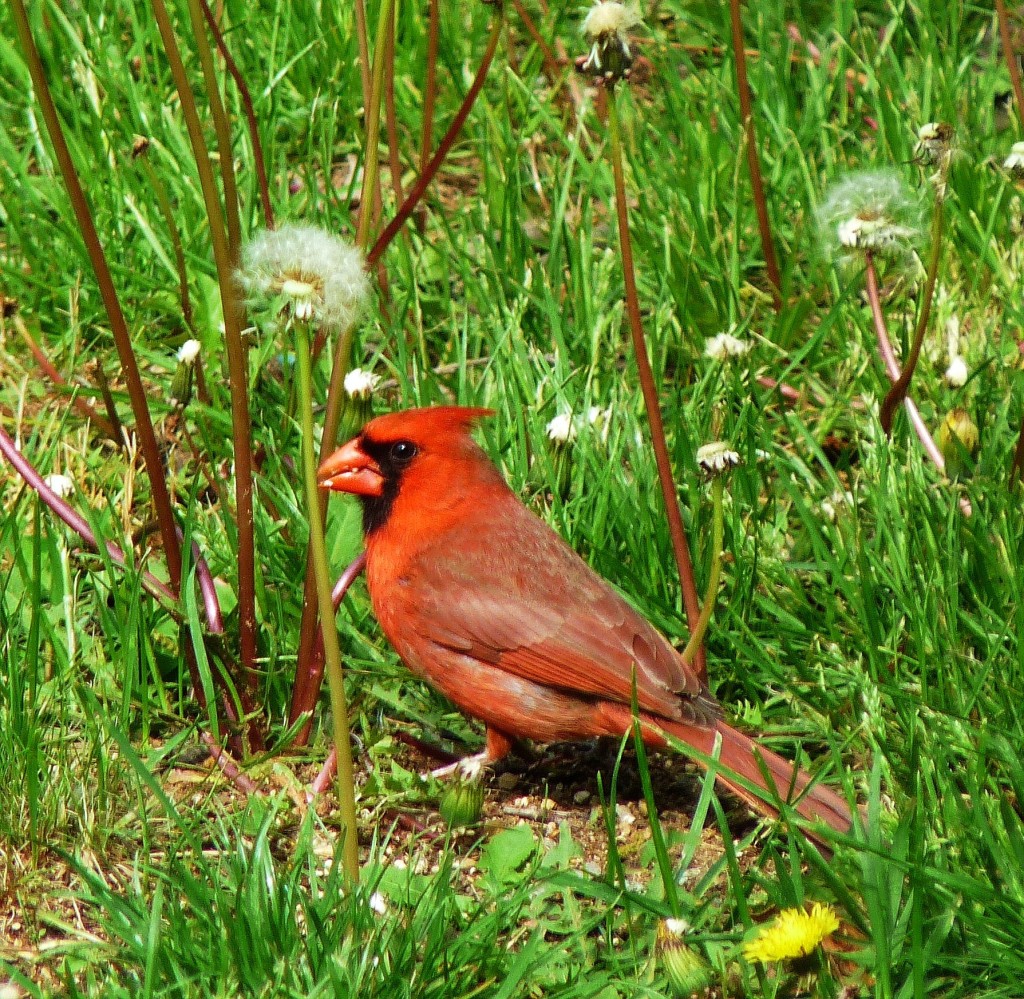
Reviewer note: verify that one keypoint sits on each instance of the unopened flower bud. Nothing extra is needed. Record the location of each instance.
(462, 803)
(607, 27)
(357, 408)
(686, 970)
(181, 386)
(1014, 163)
(716, 458)
(958, 440)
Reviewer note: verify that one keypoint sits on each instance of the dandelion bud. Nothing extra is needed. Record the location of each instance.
(607, 27)
(139, 146)
(561, 431)
(1014, 163)
(462, 803)
(958, 440)
(686, 970)
(181, 386)
(357, 408)
(934, 143)
(716, 459)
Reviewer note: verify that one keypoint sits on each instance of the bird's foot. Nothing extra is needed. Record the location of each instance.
(469, 768)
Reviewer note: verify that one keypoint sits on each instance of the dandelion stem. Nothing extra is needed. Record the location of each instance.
(118, 324)
(221, 128)
(430, 84)
(236, 353)
(771, 263)
(718, 532)
(332, 652)
(250, 114)
(371, 149)
(1011, 57)
(444, 147)
(650, 391)
(892, 369)
(898, 392)
(390, 118)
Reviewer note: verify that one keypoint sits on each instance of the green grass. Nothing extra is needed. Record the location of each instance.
(884, 640)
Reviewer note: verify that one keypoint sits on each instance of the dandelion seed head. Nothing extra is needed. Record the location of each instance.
(793, 933)
(870, 210)
(320, 274)
(934, 143)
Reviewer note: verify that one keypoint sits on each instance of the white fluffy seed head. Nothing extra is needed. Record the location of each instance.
(870, 210)
(322, 276)
(607, 18)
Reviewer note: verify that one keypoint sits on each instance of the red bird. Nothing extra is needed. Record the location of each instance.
(485, 602)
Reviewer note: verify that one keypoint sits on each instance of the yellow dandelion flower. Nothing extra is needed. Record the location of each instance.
(794, 933)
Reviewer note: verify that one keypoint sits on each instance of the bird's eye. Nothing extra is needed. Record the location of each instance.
(403, 451)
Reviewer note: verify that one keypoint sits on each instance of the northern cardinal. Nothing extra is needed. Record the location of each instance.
(488, 604)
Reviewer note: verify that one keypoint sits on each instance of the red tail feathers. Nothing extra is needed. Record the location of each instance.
(741, 754)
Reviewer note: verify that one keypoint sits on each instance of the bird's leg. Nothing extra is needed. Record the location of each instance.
(470, 767)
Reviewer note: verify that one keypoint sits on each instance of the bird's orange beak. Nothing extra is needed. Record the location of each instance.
(351, 470)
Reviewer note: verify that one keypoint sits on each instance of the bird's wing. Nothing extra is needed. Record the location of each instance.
(511, 592)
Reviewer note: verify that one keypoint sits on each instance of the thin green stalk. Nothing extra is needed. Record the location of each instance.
(898, 392)
(250, 114)
(118, 325)
(332, 652)
(650, 392)
(371, 157)
(771, 263)
(222, 128)
(159, 190)
(236, 353)
(718, 532)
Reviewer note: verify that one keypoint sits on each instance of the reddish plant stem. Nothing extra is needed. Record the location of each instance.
(250, 114)
(103, 424)
(892, 369)
(236, 352)
(753, 160)
(424, 179)
(227, 765)
(111, 302)
(787, 392)
(648, 387)
(76, 521)
(1011, 57)
(430, 84)
(311, 679)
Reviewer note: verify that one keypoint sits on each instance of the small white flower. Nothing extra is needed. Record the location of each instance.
(61, 486)
(956, 373)
(188, 352)
(724, 346)
(562, 429)
(360, 384)
(379, 904)
(1015, 161)
(321, 275)
(716, 458)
